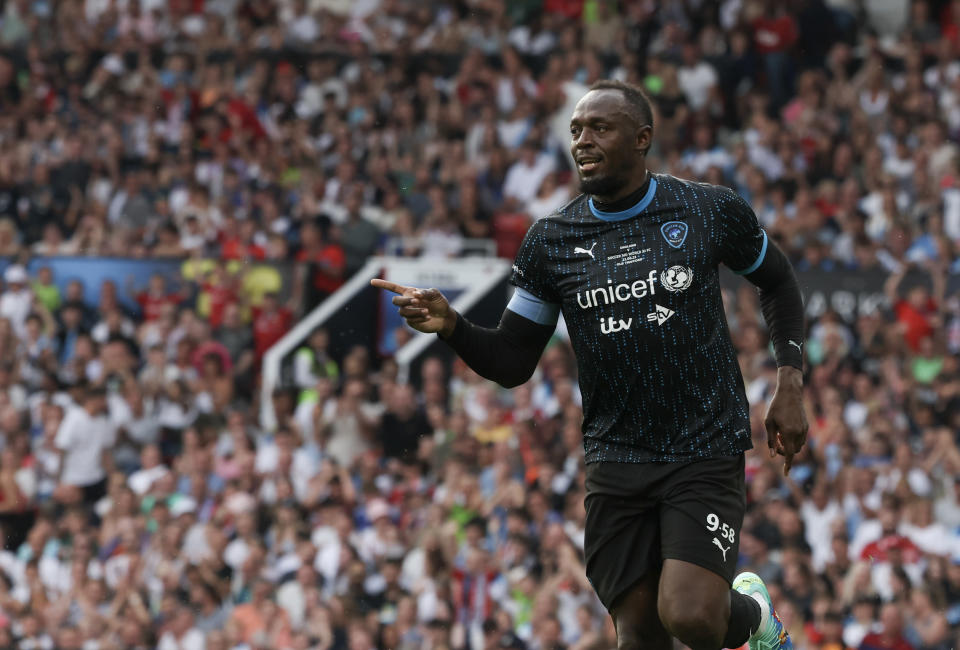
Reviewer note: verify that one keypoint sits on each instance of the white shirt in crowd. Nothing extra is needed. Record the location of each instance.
(143, 479)
(523, 180)
(193, 639)
(143, 430)
(543, 206)
(15, 306)
(83, 438)
(291, 596)
(934, 539)
(701, 160)
(696, 82)
(819, 529)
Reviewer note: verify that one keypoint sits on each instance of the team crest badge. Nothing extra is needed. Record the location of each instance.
(677, 278)
(675, 232)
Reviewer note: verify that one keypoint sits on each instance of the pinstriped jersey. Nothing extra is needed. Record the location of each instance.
(639, 291)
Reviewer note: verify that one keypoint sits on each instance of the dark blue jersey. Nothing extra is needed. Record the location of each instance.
(640, 294)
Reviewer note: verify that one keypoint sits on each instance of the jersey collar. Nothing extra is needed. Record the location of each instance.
(629, 212)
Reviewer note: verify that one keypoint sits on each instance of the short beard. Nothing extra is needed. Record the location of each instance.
(603, 186)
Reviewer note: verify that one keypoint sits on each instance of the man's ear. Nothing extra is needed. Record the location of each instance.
(644, 138)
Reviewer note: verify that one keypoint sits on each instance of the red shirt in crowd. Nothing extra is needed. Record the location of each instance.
(774, 34)
(152, 304)
(220, 296)
(231, 248)
(568, 8)
(242, 114)
(178, 7)
(876, 641)
(269, 327)
(471, 594)
(950, 24)
(879, 551)
(918, 326)
(330, 262)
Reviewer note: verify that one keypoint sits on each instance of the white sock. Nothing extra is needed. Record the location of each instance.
(764, 613)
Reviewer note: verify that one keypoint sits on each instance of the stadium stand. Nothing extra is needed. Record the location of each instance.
(180, 180)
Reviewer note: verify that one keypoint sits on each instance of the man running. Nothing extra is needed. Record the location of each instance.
(633, 265)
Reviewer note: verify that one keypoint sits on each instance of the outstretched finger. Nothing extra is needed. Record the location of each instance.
(389, 286)
(771, 428)
(788, 452)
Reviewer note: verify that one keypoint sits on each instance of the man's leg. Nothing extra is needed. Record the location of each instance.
(698, 607)
(694, 604)
(700, 524)
(636, 618)
(622, 549)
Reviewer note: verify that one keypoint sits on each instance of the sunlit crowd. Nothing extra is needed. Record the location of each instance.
(143, 505)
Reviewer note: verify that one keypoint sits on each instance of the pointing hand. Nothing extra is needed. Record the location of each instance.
(425, 310)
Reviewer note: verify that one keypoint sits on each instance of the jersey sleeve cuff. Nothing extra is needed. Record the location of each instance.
(788, 353)
(756, 263)
(531, 307)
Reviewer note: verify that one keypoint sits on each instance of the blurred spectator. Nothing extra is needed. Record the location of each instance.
(524, 177)
(313, 361)
(890, 636)
(271, 320)
(378, 513)
(403, 424)
(17, 300)
(85, 437)
(324, 257)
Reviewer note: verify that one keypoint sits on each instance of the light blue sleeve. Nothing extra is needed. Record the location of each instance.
(533, 308)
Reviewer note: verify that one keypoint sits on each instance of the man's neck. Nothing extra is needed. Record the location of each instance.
(622, 201)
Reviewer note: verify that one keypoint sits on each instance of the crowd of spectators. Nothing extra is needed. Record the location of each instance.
(142, 506)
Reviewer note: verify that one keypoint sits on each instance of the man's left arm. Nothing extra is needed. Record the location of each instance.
(782, 305)
(746, 249)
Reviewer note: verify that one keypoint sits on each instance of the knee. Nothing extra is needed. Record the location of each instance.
(699, 625)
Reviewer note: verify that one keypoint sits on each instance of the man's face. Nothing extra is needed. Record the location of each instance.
(606, 143)
(917, 297)
(95, 404)
(891, 620)
(889, 518)
(231, 315)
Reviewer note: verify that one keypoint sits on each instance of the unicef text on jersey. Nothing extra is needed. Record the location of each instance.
(612, 293)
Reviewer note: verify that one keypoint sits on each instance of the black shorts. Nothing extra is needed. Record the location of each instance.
(94, 492)
(639, 514)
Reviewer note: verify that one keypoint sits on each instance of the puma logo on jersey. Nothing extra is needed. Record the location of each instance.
(722, 549)
(586, 251)
(795, 344)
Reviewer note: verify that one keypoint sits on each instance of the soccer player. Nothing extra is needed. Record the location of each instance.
(633, 265)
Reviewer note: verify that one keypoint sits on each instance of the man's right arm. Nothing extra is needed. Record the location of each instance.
(507, 354)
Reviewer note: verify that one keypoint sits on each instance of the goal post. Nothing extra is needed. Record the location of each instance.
(363, 314)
